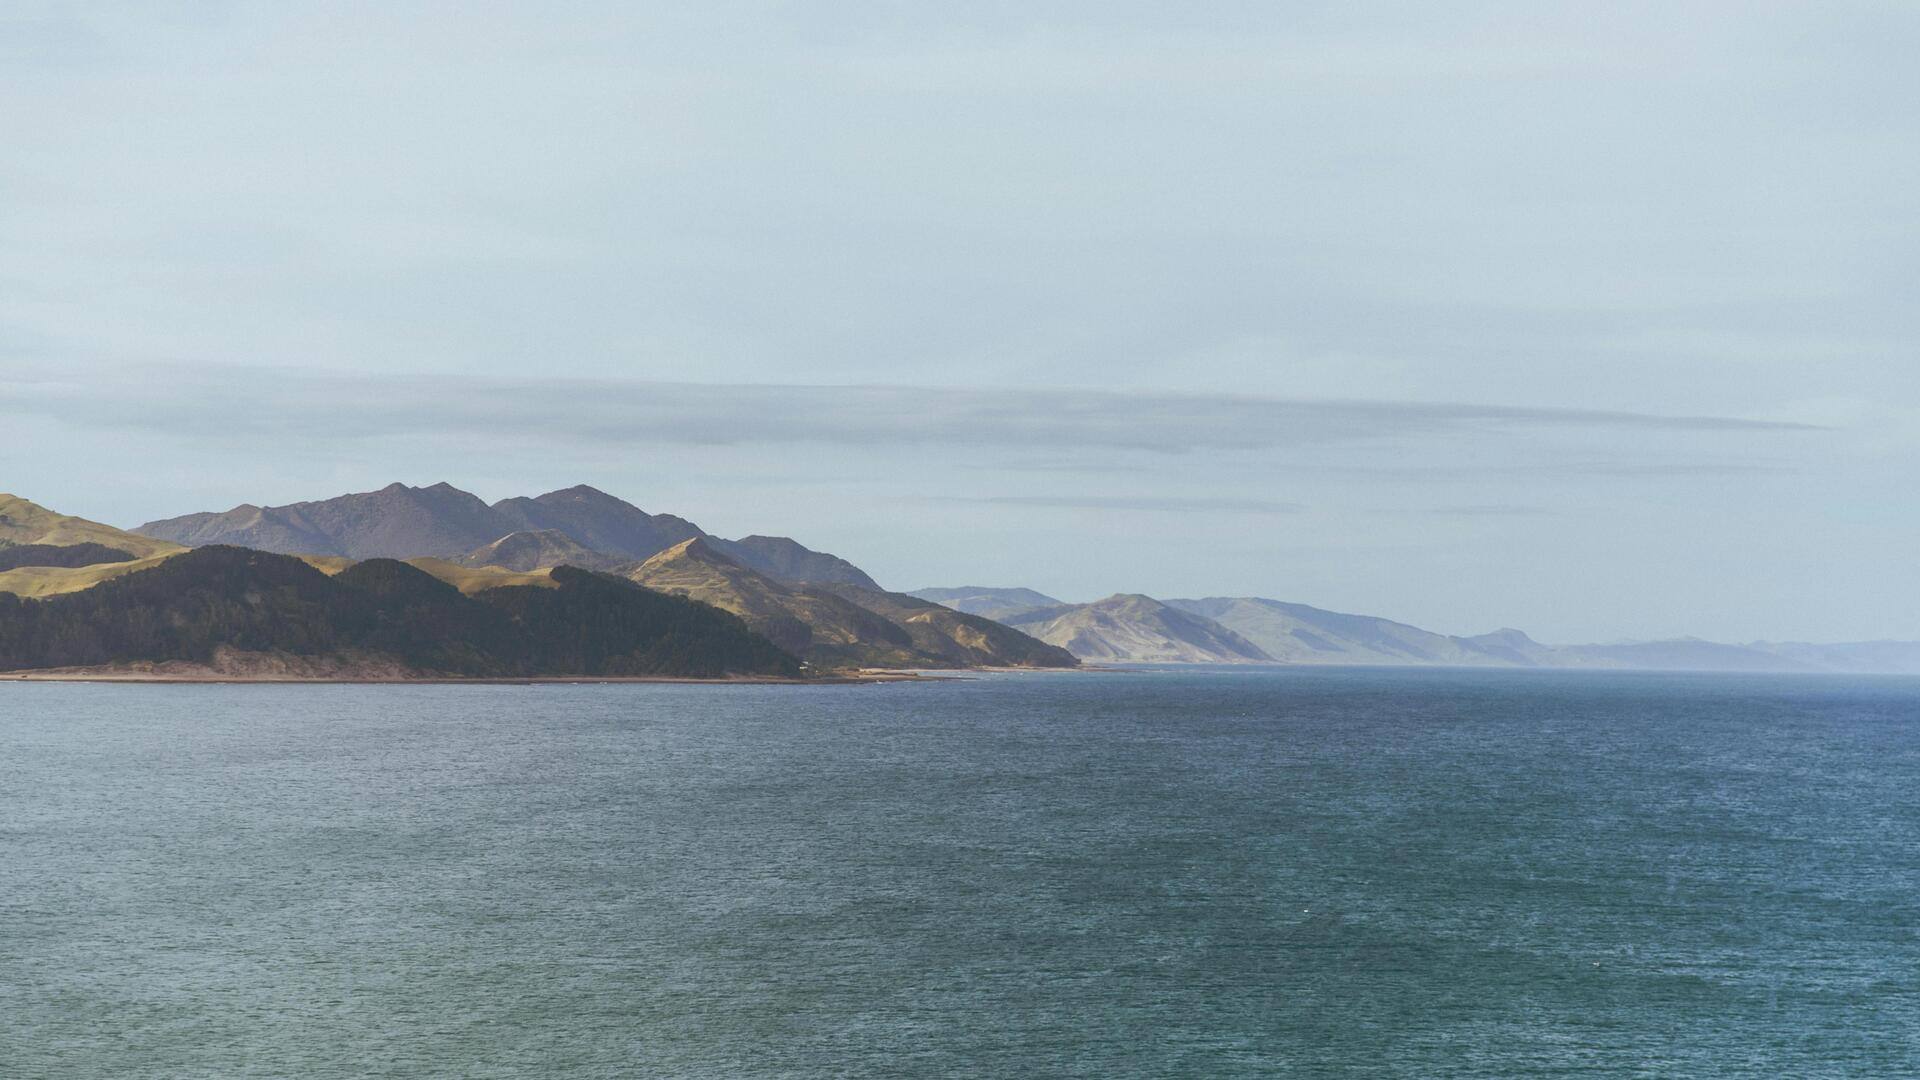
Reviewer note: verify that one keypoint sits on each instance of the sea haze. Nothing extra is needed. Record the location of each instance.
(1205, 872)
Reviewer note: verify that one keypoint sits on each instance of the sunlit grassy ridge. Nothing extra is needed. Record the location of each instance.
(38, 582)
(24, 522)
(473, 579)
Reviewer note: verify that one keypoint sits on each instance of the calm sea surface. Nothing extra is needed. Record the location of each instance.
(1257, 872)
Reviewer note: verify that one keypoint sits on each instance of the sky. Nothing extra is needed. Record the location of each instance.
(1598, 321)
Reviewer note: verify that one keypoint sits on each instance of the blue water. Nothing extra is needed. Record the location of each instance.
(1256, 872)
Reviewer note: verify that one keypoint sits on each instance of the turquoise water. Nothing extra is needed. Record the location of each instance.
(1206, 873)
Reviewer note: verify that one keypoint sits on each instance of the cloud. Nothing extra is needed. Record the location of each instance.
(250, 403)
(1144, 503)
(1586, 469)
(1491, 510)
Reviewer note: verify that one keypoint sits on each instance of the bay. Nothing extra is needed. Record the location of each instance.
(1177, 872)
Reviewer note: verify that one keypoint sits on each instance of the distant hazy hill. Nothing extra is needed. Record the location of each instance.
(1857, 657)
(1683, 654)
(401, 522)
(245, 611)
(989, 602)
(1131, 627)
(1300, 634)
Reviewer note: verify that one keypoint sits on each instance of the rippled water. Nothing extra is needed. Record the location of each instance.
(1200, 874)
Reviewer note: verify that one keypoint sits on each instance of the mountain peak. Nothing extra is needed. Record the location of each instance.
(693, 547)
(581, 492)
(1506, 635)
(598, 520)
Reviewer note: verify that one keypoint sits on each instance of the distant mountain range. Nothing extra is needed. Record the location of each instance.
(1245, 629)
(401, 522)
(808, 605)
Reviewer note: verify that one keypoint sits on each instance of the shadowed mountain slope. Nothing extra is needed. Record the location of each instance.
(396, 522)
(597, 521)
(378, 615)
(60, 556)
(988, 602)
(785, 559)
(1131, 627)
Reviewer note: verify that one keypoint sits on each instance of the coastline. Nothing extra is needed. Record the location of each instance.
(87, 675)
(235, 666)
(139, 678)
(157, 675)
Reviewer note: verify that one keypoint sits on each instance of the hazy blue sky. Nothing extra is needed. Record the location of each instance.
(1598, 320)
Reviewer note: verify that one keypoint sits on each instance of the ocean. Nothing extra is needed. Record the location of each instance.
(1195, 872)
